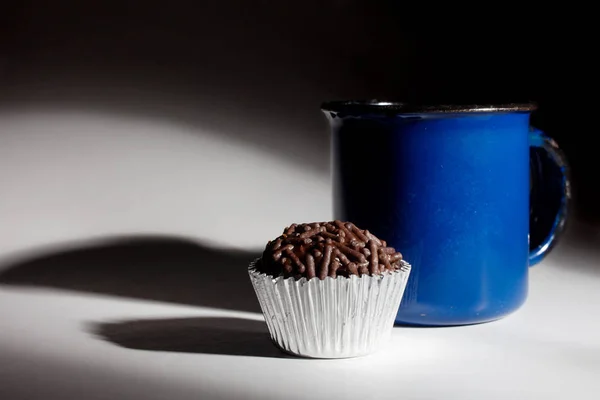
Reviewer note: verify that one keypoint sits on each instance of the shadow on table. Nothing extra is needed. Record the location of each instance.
(160, 268)
(225, 336)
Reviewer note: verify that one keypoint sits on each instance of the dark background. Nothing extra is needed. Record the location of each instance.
(238, 65)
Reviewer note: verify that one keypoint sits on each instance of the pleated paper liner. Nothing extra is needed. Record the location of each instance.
(331, 318)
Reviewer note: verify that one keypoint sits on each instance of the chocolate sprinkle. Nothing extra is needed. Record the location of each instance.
(322, 249)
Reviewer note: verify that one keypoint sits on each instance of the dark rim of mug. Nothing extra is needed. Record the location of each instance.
(392, 107)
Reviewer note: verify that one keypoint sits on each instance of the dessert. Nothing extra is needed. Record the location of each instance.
(329, 289)
(328, 249)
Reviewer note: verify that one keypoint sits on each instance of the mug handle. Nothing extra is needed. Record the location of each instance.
(550, 194)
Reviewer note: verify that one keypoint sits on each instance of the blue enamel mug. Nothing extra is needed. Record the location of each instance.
(470, 195)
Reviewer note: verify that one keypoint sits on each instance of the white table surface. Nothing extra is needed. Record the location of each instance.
(121, 278)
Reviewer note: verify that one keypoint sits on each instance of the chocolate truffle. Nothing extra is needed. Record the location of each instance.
(322, 249)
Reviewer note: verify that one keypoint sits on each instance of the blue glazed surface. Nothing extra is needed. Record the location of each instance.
(451, 192)
(549, 196)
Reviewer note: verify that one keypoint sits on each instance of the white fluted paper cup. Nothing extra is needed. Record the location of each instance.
(331, 318)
